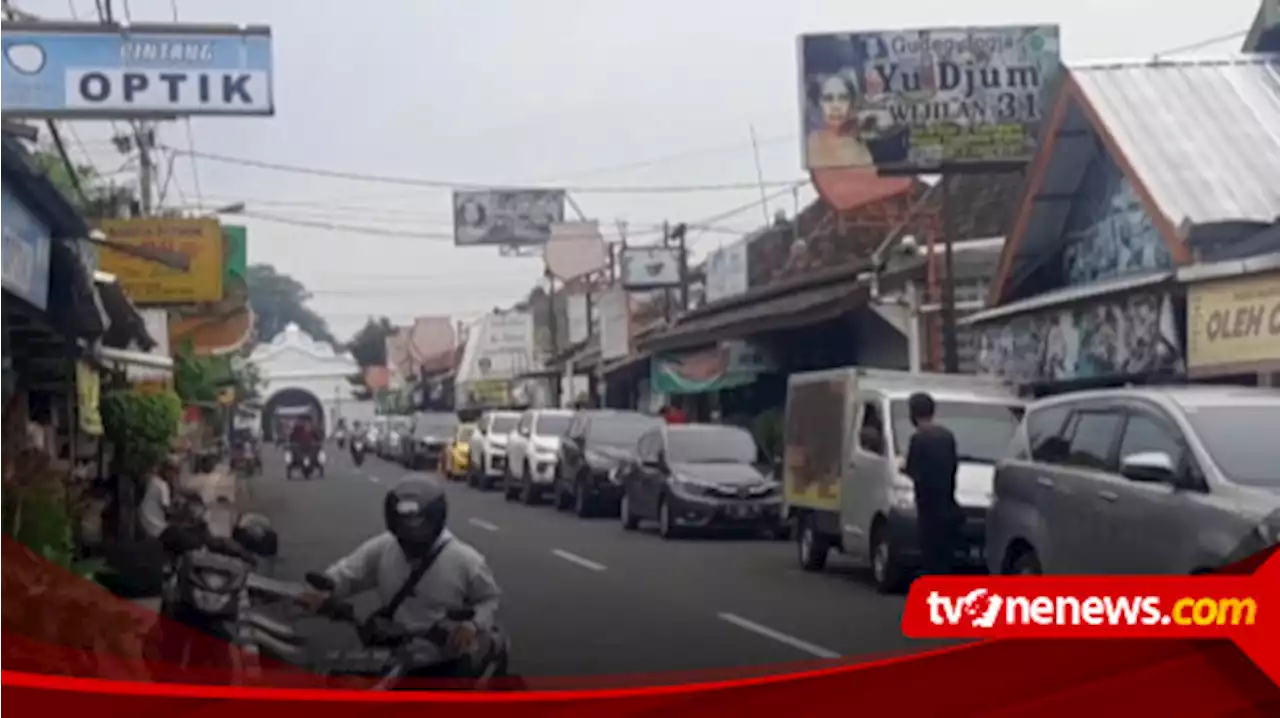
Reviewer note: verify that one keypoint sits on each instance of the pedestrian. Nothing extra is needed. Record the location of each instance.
(157, 502)
(931, 465)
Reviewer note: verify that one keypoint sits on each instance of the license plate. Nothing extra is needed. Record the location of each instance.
(741, 512)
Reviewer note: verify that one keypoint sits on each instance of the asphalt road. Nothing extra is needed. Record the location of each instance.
(584, 598)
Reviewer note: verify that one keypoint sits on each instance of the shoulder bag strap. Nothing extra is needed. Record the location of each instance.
(415, 576)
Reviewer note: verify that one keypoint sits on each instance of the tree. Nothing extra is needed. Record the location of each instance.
(369, 345)
(277, 300)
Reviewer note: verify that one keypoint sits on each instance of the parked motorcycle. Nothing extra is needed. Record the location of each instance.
(359, 447)
(206, 590)
(306, 462)
(387, 655)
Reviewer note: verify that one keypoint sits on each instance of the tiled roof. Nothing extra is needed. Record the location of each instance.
(1202, 135)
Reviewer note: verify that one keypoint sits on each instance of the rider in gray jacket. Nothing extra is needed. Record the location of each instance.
(458, 578)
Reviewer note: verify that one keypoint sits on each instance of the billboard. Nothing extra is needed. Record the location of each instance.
(650, 267)
(1234, 325)
(146, 282)
(614, 308)
(506, 217)
(85, 70)
(917, 101)
(432, 343)
(510, 333)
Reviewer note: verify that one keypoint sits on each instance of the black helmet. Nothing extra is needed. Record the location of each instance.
(415, 511)
(256, 534)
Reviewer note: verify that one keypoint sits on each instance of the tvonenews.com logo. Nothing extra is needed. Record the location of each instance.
(983, 609)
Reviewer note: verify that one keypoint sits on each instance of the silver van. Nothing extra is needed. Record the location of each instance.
(1152, 480)
(846, 438)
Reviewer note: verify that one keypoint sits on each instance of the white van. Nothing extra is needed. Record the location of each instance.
(846, 437)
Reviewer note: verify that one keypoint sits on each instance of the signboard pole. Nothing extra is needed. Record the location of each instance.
(950, 348)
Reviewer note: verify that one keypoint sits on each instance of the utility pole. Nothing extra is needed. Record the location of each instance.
(145, 135)
(666, 293)
(680, 233)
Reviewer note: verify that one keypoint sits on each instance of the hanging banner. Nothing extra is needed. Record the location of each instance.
(28, 247)
(575, 249)
(576, 311)
(78, 70)
(916, 101)
(89, 391)
(727, 272)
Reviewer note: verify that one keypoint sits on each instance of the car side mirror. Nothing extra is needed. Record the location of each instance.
(1149, 467)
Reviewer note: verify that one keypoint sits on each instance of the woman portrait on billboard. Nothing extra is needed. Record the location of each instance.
(834, 140)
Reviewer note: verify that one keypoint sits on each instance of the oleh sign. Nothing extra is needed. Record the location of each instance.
(1233, 326)
(88, 70)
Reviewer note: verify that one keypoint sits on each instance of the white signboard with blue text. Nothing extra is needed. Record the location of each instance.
(27, 244)
(87, 70)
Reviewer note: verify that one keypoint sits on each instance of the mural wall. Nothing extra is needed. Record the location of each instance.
(1110, 338)
(1108, 233)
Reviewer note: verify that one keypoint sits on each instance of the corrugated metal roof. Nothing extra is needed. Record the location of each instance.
(1203, 135)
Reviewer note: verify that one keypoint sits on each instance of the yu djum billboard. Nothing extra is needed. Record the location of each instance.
(506, 217)
(919, 101)
(84, 70)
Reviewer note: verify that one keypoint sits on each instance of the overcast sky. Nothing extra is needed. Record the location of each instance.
(582, 92)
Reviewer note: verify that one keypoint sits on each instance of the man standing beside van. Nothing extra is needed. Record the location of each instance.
(931, 463)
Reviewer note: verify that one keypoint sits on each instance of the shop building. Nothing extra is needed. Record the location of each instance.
(1151, 173)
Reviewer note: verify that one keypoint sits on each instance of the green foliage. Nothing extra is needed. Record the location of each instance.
(39, 510)
(197, 379)
(277, 300)
(101, 198)
(369, 345)
(140, 426)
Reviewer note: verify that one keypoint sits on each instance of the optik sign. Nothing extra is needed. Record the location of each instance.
(87, 70)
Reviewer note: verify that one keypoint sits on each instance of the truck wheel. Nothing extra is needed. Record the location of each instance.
(812, 546)
(887, 571)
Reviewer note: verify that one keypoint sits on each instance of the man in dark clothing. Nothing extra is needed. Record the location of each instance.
(931, 464)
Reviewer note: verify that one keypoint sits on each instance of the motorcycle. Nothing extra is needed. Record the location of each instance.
(387, 654)
(341, 437)
(358, 449)
(307, 462)
(246, 460)
(206, 588)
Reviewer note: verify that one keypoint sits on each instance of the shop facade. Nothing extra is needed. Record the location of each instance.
(1091, 288)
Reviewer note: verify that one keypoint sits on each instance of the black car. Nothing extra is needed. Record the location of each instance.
(423, 446)
(700, 476)
(593, 451)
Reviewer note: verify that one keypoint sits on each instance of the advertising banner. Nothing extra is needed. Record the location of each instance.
(729, 365)
(235, 249)
(507, 217)
(489, 392)
(916, 101)
(650, 268)
(1234, 325)
(27, 247)
(88, 70)
(510, 333)
(614, 309)
(199, 240)
(399, 358)
(727, 272)
(579, 323)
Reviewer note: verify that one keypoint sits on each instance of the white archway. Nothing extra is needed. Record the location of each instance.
(295, 362)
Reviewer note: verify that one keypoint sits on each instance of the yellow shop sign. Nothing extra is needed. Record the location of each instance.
(1234, 325)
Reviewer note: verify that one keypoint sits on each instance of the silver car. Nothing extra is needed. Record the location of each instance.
(1155, 480)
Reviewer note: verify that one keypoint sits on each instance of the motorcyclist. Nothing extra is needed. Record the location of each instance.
(303, 438)
(458, 577)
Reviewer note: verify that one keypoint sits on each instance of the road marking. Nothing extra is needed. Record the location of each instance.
(575, 558)
(778, 636)
(481, 523)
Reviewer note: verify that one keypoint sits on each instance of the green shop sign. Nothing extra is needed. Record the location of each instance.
(726, 366)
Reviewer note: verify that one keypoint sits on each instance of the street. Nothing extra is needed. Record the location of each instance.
(584, 598)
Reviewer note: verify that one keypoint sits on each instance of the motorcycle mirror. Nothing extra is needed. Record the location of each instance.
(320, 581)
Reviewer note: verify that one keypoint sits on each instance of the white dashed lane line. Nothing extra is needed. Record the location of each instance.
(577, 560)
(778, 636)
(482, 524)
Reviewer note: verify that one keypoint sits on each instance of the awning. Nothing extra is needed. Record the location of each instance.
(127, 325)
(1067, 295)
(1229, 269)
(125, 358)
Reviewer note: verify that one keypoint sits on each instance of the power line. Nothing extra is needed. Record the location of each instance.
(452, 185)
(1203, 43)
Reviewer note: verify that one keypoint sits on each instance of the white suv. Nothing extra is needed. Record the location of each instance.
(531, 453)
(489, 448)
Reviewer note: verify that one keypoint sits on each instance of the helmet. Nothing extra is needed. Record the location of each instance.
(256, 534)
(415, 511)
